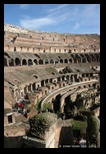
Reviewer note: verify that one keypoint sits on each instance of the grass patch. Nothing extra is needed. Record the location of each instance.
(78, 125)
(47, 106)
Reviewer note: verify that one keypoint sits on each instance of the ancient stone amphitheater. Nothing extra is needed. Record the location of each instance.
(47, 65)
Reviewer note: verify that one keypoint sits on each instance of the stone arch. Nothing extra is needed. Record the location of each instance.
(51, 61)
(40, 61)
(61, 60)
(83, 58)
(84, 86)
(14, 48)
(78, 58)
(46, 61)
(70, 51)
(5, 62)
(30, 62)
(74, 58)
(79, 87)
(70, 60)
(65, 60)
(11, 62)
(17, 61)
(93, 57)
(24, 62)
(35, 61)
(88, 58)
(97, 57)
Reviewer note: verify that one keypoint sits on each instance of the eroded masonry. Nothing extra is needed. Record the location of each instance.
(48, 74)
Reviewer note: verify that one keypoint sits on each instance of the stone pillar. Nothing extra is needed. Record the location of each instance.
(27, 88)
(31, 87)
(20, 62)
(73, 79)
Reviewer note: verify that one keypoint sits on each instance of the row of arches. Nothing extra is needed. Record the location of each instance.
(74, 58)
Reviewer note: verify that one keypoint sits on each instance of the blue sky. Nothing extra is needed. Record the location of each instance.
(62, 18)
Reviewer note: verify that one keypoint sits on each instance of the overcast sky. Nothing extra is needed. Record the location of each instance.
(62, 18)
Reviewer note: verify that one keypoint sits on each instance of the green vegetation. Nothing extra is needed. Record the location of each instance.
(37, 106)
(78, 125)
(92, 131)
(47, 106)
(41, 123)
(38, 125)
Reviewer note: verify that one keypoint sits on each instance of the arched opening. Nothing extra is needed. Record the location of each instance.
(46, 61)
(40, 61)
(14, 48)
(70, 60)
(74, 59)
(93, 57)
(69, 51)
(78, 58)
(61, 60)
(88, 58)
(5, 61)
(51, 61)
(30, 62)
(35, 61)
(24, 62)
(97, 57)
(33, 86)
(17, 62)
(42, 83)
(11, 62)
(65, 61)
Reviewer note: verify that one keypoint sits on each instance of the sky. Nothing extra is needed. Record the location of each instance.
(60, 18)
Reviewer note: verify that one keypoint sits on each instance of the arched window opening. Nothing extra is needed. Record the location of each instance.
(65, 61)
(14, 48)
(30, 62)
(40, 61)
(11, 62)
(24, 62)
(70, 51)
(61, 60)
(17, 62)
(51, 61)
(35, 61)
(46, 61)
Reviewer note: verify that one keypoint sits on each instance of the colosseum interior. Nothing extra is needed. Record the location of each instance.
(45, 71)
